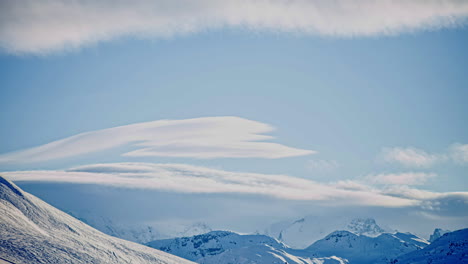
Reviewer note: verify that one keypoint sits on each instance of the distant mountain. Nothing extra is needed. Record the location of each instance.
(438, 232)
(141, 233)
(303, 232)
(362, 249)
(450, 248)
(223, 247)
(32, 231)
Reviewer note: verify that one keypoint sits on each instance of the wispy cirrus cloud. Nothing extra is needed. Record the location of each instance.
(322, 165)
(196, 179)
(406, 178)
(418, 158)
(202, 138)
(47, 26)
(410, 157)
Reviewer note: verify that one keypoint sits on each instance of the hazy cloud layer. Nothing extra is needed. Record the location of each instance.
(194, 179)
(445, 204)
(459, 153)
(45, 26)
(203, 138)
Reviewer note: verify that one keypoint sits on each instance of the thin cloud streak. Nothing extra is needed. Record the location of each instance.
(40, 27)
(195, 179)
(407, 178)
(201, 138)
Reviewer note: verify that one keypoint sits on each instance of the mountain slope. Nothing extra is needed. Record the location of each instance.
(31, 231)
(363, 249)
(449, 248)
(264, 254)
(223, 247)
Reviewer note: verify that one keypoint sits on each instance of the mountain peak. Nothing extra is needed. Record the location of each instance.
(438, 232)
(365, 226)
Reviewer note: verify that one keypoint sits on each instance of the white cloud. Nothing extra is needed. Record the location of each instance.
(194, 179)
(410, 157)
(459, 153)
(44, 26)
(204, 138)
(408, 178)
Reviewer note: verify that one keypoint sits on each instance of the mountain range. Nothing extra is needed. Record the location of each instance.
(32, 231)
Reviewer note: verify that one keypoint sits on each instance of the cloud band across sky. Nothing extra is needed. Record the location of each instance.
(195, 179)
(202, 138)
(47, 26)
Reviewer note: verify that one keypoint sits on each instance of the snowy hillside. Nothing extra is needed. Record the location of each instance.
(449, 248)
(31, 231)
(305, 231)
(219, 247)
(363, 249)
(264, 254)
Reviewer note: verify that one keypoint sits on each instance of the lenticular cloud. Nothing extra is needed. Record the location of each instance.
(201, 138)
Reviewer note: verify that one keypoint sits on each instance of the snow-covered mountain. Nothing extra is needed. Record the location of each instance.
(32, 231)
(212, 243)
(303, 232)
(438, 232)
(224, 247)
(227, 247)
(450, 248)
(364, 249)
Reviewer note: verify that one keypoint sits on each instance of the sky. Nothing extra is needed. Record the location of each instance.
(315, 105)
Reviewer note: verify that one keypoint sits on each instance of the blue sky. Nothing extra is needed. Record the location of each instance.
(385, 106)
